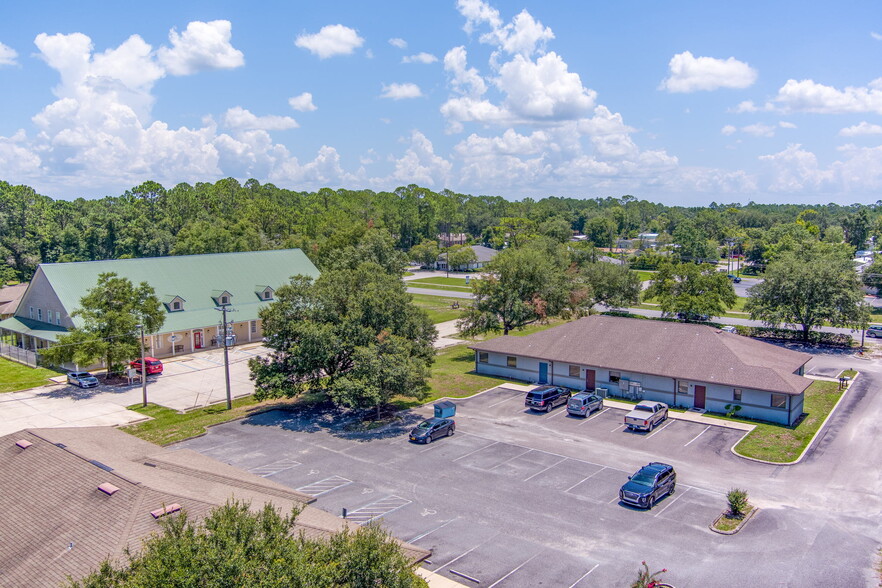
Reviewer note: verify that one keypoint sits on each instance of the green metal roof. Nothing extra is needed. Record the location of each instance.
(38, 329)
(194, 278)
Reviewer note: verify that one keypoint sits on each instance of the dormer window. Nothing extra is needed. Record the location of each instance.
(221, 297)
(264, 292)
(267, 295)
(173, 303)
(225, 300)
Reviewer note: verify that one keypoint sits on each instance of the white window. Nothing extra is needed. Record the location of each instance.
(574, 371)
(683, 388)
(779, 401)
(267, 295)
(736, 394)
(225, 300)
(31, 311)
(253, 326)
(176, 305)
(483, 357)
(511, 361)
(615, 376)
(39, 314)
(57, 317)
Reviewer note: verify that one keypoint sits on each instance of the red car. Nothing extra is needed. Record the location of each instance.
(154, 366)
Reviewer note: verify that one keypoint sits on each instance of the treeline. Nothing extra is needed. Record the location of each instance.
(150, 220)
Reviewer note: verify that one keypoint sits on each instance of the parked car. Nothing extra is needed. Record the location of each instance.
(693, 317)
(874, 331)
(430, 429)
(546, 397)
(646, 415)
(650, 484)
(734, 278)
(584, 403)
(82, 379)
(154, 366)
(729, 329)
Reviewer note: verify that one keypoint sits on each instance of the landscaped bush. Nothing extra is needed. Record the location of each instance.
(738, 503)
(779, 334)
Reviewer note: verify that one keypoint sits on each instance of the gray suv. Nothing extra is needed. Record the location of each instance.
(584, 403)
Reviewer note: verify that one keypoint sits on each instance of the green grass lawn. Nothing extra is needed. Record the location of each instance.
(645, 275)
(439, 307)
(735, 311)
(780, 444)
(450, 284)
(15, 376)
(170, 426)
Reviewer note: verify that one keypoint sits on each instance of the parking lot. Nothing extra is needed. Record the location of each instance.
(518, 498)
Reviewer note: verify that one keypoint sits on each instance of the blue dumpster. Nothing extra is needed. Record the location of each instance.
(444, 409)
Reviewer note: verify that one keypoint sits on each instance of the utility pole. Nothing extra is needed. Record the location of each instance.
(143, 367)
(223, 309)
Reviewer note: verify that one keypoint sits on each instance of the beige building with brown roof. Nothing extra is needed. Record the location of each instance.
(687, 365)
(72, 497)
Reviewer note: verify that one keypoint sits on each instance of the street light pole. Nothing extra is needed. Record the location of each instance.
(143, 367)
(223, 309)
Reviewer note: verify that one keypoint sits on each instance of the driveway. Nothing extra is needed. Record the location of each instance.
(517, 498)
(188, 381)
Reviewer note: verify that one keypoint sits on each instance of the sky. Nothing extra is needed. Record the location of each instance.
(680, 102)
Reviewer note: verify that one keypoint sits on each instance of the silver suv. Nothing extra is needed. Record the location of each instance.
(584, 403)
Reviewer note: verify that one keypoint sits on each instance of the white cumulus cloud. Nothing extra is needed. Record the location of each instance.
(401, 91)
(8, 55)
(876, 36)
(302, 103)
(240, 118)
(810, 96)
(421, 57)
(862, 128)
(331, 40)
(728, 130)
(400, 43)
(759, 130)
(691, 74)
(202, 46)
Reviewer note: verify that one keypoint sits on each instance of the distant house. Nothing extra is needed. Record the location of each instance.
(484, 256)
(612, 260)
(693, 366)
(9, 299)
(72, 497)
(190, 287)
(451, 239)
(648, 237)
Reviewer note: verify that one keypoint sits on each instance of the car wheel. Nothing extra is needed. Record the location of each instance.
(549, 406)
(651, 503)
(450, 432)
(428, 439)
(871, 334)
(673, 487)
(651, 427)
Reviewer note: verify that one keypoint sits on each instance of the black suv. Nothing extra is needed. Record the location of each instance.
(653, 482)
(546, 397)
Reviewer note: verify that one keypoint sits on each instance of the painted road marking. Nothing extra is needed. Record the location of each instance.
(462, 555)
(551, 416)
(377, 509)
(513, 571)
(661, 428)
(506, 400)
(672, 502)
(542, 471)
(427, 533)
(699, 435)
(476, 451)
(583, 577)
(324, 486)
(583, 479)
(275, 467)
(597, 414)
(510, 459)
(617, 428)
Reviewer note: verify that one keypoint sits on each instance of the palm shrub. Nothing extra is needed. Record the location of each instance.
(647, 579)
(738, 503)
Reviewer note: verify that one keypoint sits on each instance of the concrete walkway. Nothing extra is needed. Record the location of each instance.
(447, 334)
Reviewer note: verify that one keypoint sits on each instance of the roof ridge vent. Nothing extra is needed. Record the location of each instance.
(108, 488)
(159, 512)
(23, 443)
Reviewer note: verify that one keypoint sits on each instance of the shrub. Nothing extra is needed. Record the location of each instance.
(645, 579)
(738, 503)
(732, 409)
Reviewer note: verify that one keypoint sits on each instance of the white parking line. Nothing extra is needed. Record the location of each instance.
(513, 571)
(427, 533)
(377, 509)
(542, 471)
(551, 416)
(585, 478)
(275, 467)
(324, 486)
(506, 400)
(672, 502)
(699, 435)
(594, 416)
(583, 577)
(476, 450)
(510, 459)
(458, 557)
(617, 428)
(664, 426)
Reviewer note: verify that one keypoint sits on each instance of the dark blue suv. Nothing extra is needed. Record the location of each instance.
(653, 482)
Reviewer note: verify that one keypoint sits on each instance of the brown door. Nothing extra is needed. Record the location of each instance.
(699, 396)
(589, 379)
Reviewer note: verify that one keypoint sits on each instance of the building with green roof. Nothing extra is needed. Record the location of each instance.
(190, 287)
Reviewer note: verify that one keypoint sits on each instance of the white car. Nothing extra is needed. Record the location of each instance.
(874, 331)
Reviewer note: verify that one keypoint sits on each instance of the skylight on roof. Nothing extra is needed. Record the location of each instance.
(161, 512)
(108, 488)
(23, 443)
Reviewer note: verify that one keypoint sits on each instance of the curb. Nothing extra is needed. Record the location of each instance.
(736, 529)
(810, 443)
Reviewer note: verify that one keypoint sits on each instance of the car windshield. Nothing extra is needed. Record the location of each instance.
(644, 408)
(426, 425)
(643, 479)
(154, 363)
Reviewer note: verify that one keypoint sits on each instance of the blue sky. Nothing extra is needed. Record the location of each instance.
(679, 102)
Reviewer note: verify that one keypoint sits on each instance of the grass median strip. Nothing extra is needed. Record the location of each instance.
(780, 444)
(439, 308)
(170, 426)
(15, 376)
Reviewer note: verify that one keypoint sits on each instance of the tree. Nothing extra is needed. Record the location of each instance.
(601, 231)
(857, 228)
(236, 547)
(425, 253)
(693, 243)
(807, 287)
(691, 289)
(872, 275)
(520, 287)
(320, 331)
(109, 313)
(460, 256)
(613, 285)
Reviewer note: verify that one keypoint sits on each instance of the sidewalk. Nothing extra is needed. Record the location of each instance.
(447, 334)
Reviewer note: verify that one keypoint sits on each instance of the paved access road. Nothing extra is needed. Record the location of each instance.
(517, 498)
